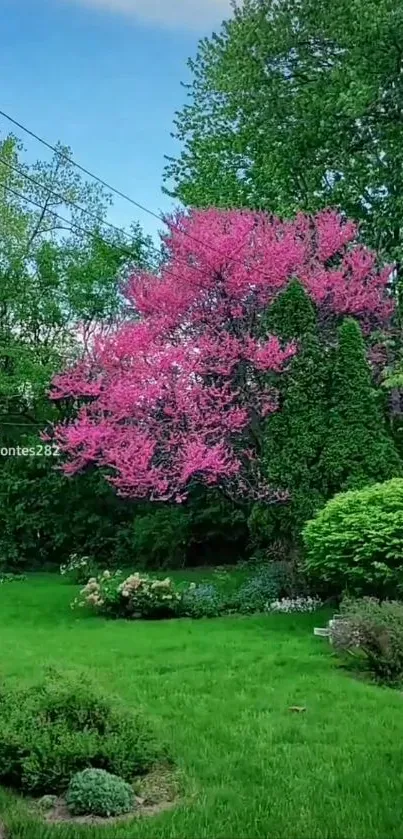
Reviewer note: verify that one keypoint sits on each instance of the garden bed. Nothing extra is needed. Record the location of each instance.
(158, 792)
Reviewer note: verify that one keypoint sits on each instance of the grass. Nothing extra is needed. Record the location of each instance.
(220, 691)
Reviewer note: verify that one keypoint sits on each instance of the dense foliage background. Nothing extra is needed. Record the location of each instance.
(293, 106)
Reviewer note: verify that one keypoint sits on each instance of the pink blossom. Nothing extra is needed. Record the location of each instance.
(172, 396)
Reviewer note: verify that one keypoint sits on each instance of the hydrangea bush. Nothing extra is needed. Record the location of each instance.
(78, 569)
(12, 578)
(136, 596)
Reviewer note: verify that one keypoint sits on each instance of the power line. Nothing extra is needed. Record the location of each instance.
(82, 168)
(31, 425)
(73, 224)
(62, 198)
(83, 210)
(107, 185)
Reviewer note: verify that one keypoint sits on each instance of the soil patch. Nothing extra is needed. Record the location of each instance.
(59, 813)
(155, 793)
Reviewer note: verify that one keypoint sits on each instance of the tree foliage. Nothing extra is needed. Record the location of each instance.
(179, 396)
(295, 436)
(358, 448)
(58, 279)
(297, 105)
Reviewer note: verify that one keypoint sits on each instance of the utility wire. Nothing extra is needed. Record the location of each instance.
(67, 201)
(82, 168)
(31, 425)
(106, 184)
(71, 225)
(83, 210)
(74, 225)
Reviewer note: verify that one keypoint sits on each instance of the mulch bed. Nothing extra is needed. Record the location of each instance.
(59, 813)
(155, 793)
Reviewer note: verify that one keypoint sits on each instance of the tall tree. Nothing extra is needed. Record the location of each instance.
(298, 104)
(295, 436)
(55, 275)
(179, 397)
(359, 448)
(58, 280)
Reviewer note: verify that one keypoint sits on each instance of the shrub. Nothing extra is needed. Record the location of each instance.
(136, 596)
(96, 792)
(268, 584)
(374, 630)
(12, 578)
(61, 726)
(355, 543)
(158, 538)
(78, 569)
(202, 601)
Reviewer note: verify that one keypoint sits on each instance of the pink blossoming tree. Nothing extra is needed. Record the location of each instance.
(176, 394)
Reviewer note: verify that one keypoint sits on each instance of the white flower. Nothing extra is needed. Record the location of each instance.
(298, 604)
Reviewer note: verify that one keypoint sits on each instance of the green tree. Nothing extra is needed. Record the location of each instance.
(54, 275)
(359, 449)
(296, 105)
(294, 437)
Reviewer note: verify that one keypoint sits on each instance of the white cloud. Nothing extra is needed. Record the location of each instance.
(190, 14)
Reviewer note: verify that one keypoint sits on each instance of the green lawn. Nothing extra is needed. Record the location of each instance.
(220, 691)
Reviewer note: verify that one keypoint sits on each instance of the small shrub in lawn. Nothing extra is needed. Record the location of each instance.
(78, 569)
(12, 578)
(136, 596)
(372, 630)
(201, 601)
(62, 726)
(267, 585)
(98, 793)
(355, 543)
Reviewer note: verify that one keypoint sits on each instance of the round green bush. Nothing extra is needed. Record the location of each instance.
(98, 793)
(355, 543)
(64, 725)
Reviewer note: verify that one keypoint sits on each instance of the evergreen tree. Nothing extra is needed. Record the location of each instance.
(295, 436)
(292, 315)
(359, 448)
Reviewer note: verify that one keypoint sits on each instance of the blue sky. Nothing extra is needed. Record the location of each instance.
(103, 76)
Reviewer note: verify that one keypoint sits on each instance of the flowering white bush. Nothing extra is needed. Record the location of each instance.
(296, 604)
(139, 596)
(78, 569)
(136, 596)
